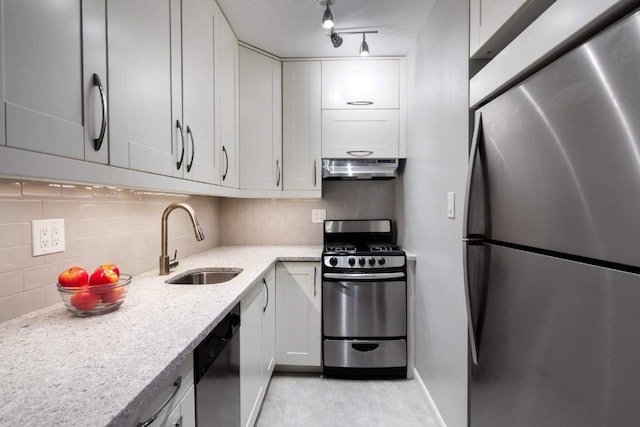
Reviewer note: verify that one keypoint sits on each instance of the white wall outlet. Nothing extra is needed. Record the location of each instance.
(47, 236)
(318, 215)
(451, 205)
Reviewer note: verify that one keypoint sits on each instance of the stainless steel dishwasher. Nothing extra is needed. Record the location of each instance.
(217, 374)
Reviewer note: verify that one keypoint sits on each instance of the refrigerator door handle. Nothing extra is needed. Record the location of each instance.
(473, 342)
(473, 154)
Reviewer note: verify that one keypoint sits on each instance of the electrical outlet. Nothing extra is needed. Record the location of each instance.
(47, 236)
(318, 215)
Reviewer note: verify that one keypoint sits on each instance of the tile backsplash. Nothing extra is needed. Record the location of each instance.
(107, 224)
(288, 222)
(102, 224)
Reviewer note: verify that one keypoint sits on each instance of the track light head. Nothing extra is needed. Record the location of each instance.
(364, 47)
(336, 39)
(327, 18)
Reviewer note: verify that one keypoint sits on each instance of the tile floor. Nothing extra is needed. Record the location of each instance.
(309, 400)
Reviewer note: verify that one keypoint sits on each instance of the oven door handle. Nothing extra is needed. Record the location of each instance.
(364, 276)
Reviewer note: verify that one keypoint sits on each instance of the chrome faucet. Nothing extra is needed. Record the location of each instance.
(166, 264)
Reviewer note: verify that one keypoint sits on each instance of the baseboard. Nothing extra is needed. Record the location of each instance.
(437, 418)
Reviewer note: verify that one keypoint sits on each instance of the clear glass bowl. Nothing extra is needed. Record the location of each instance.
(97, 299)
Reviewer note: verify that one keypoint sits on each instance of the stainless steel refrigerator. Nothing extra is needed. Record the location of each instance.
(552, 243)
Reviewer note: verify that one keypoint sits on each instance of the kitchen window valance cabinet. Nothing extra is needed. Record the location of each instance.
(54, 81)
(260, 121)
(161, 74)
(361, 84)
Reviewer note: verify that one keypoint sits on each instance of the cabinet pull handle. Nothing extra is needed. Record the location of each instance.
(226, 162)
(193, 148)
(97, 142)
(359, 153)
(365, 348)
(264, 282)
(278, 170)
(360, 103)
(179, 126)
(315, 178)
(315, 280)
(151, 419)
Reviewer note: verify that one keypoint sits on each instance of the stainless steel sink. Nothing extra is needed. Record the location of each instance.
(205, 276)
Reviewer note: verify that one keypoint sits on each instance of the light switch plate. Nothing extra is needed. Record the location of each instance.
(47, 236)
(318, 215)
(451, 205)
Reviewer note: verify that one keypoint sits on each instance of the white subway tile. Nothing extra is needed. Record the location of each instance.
(12, 211)
(10, 189)
(11, 283)
(17, 258)
(11, 235)
(40, 190)
(22, 303)
(73, 191)
(43, 275)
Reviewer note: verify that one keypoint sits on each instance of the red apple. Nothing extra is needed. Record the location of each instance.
(112, 267)
(73, 277)
(103, 276)
(112, 295)
(83, 299)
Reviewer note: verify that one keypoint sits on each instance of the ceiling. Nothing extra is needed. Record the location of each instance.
(292, 28)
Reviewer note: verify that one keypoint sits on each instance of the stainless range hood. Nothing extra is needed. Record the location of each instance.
(359, 168)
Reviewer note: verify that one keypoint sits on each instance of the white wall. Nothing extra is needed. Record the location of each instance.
(437, 164)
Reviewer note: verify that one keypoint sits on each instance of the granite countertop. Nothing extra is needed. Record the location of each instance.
(57, 369)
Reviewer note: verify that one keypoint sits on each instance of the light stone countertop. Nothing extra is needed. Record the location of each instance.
(57, 369)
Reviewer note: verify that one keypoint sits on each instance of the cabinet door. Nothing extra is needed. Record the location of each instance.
(141, 120)
(260, 121)
(268, 327)
(359, 134)
(298, 302)
(301, 136)
(201, 159)
(227, 124)
(50, 51)
(368, 84)
(251, 356)
(188, 409)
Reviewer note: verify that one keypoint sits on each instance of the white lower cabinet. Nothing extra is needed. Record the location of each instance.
(298, 303)
(257, 347)
(173, 403)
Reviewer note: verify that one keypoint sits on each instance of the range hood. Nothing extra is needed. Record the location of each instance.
(359, 168)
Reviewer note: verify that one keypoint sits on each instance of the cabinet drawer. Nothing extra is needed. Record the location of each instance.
(365, 353)
(360, 84)
(358, 134)
(166, 393)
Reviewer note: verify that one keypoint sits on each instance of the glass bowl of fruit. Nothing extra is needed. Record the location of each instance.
(101, 292)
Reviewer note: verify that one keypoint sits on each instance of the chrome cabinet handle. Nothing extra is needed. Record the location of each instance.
(193, 148)
(264, 282)
(359, 153)
(151, 419)
(473, 342)
(278, 170)
(360, 103)
(315, 178)
(179, 126)
(226, 162)
(363, 276)
(473, 153)
(97, 142)
(315, 280)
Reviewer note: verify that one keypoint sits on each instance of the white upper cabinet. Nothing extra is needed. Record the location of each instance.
(201, 158)
(360, 134)
(51, 50)
(301, 137)
(227, 91)
(140, 84)
(260, 121)
(360, 84)
(495, 23)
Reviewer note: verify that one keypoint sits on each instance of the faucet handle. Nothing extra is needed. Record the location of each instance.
(173, 263)
(175, 255)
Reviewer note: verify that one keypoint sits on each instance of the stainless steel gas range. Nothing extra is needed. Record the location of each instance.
(364, 300)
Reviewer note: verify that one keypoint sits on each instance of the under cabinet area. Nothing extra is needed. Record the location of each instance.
(260, 121)
(54, 78)
(298, 305)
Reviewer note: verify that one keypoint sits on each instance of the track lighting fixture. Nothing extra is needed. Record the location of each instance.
(364, 47)
(327, 16)
(336, 39)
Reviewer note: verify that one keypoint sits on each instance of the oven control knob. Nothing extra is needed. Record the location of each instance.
(361, 261)
(333, 261)
(381, 261)
(372, 261)
(352, 261)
